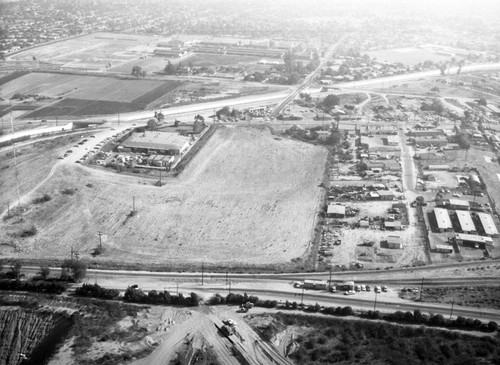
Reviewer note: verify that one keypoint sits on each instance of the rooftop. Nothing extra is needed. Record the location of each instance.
(156, 140)
(488, 224)
(465, 220)
(442, 218)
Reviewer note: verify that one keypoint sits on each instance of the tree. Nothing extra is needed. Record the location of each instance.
(152, 124)
(44, 272)
(77, 268)
(169, 68)
(330, 101)
(334, 138)
(16, 269)
(137, 71)
(482, 101)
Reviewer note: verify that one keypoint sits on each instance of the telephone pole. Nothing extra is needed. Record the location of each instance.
(452, 304)
(99, 233)
(202, 269)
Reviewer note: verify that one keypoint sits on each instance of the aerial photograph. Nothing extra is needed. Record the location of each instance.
(249, 182)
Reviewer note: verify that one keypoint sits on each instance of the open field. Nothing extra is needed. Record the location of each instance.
(53, 85)
(407, 56)
(246, 198)
(96, 51)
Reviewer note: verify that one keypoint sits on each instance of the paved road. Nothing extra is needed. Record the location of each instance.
(308, 79)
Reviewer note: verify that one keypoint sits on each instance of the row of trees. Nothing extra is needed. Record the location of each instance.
(135, 295)
(437, 320)
(71, 270)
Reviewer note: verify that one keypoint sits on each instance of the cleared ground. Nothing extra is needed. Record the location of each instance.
(93, 51)
(245, 198)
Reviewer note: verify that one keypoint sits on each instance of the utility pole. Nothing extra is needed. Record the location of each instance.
(421, 289)
(133, 205)
(99, 233)
(15, 162)
(302, 295)
(330, 282)
(177, 282)
(202, 269)
(375, 303)
(452, 304)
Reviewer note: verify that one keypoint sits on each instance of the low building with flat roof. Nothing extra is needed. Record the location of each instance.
(163, 143)
(394, 242)
(472, 240)
(458, 204)
(335, 211)
(465, 221)
(489, 227)
(443, 220)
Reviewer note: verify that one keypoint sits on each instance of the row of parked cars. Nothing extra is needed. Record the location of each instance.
(360, 288)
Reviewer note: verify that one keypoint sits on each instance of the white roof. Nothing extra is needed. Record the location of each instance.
(473, 238)
(488, 224)
(459, 202)
(336, 209)
(465, 221)
(442, 218)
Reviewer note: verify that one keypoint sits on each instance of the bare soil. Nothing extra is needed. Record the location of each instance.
(245, 198)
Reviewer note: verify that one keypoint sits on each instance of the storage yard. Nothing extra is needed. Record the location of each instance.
(231, 204)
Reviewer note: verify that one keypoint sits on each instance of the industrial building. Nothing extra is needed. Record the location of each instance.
(152, 142)
(436, 142)
(443, 220)
(458, 204)
(466, 222)
(442, 249)
(395, 225)
(472, 240)
(335, 211)
(488, 225)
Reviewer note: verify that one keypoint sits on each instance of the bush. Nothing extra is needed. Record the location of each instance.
(34, 286)
(96, 291)
(77, 268)
(136, 295)
(43, 199)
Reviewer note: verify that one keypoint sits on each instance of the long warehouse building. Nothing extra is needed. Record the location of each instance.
(443, 220)
(466, 222)
(489, 227)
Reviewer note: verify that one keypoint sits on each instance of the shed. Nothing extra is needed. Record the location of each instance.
(458, 204)
(394, 242)
(385, 194)
(443, 249)
(396, 225)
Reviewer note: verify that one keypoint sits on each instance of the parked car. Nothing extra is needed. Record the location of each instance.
(349, 292)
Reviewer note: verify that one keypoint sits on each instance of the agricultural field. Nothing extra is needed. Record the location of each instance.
(245, 199)
(98, 51)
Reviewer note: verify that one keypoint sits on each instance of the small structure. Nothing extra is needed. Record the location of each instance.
(395, 225)
(472, 240)
(394, 242)
(443, 220)
(457, 204)
(385, 194)
(438, 167)
(488, 225)
(436, 142)
(465, 221)
(346, 285)
(335, 211)
(392, 140)
(443, 249)
(323, 135)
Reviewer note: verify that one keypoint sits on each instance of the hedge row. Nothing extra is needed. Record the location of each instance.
(35, 286)
(415, 317)
(436, 320)
(136, 295)
(96, 291)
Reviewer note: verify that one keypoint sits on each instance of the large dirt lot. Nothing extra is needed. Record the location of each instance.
(94, 51)
(246, 198)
